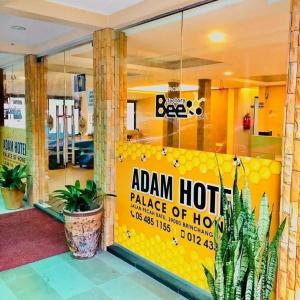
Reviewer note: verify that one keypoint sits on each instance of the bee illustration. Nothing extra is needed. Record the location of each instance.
(128, 234)
(120, 157)
(176, 163)
(164, 151)
(174, 241)
(143, 157)
(236, 161)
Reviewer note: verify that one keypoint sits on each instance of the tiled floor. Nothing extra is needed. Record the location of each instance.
(104, 277)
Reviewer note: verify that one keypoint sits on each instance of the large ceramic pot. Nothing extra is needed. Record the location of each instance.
(12, 198)
(82, 230)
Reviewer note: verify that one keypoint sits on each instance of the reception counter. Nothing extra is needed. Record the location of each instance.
(269, 147)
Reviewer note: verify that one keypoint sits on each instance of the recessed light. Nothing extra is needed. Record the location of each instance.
(17, 27)
(227, 73)
(217, 36)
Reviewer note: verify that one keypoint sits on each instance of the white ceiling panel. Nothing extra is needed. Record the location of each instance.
(106, 7)
(36, 32)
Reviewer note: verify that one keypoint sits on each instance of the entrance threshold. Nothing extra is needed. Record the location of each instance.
(48, 210)
(170, 280)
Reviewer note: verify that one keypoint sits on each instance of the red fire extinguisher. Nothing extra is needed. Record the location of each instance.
(247, 121)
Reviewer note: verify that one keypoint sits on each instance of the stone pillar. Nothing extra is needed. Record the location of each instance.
(1, 97)
(203, 124)
(36, 115)
(109, 56)
(288, 280)
(121, 84)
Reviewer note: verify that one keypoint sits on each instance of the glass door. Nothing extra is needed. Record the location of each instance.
(70, 120)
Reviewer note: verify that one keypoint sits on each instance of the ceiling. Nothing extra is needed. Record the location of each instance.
(51, 25)
(34, 33)
(254, 50)
(100, 6)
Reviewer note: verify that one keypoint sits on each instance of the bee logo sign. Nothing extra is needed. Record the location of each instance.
(178, 107)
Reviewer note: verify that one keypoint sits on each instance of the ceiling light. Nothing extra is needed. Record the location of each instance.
(17, 27)
(227, 73)
(217, 37)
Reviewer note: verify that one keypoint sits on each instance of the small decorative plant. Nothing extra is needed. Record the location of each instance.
(80, 199)
(83, 217)
(13, 184)
(13, 178)
(245, 258)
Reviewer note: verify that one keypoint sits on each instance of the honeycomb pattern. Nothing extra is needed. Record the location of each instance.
(166, 254)
(188, 160)
(171, 256)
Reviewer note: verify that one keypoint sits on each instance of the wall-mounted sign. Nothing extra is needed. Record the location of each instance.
(79, 83)
(14, 112)
(169, 199)
(13, 146)
(178, 107)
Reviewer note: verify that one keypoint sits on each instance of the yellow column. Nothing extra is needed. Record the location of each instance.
(204, 141)
(230, 120)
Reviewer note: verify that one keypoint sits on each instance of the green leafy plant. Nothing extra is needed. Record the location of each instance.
(13, 178)
(245, 258)
(81, 199)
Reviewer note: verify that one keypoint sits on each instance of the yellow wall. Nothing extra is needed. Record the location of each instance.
(271, 115)
(219, 103)
(241, 137)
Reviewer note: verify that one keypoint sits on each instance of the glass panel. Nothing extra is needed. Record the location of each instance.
(57, 97)
(13, 133)
(14, 106)
(239, 69)
(154, 72)
(70, 118)
(218, 78)
(79, 74)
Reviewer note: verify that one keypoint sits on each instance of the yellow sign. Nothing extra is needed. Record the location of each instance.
(168, 200)
(13, 146)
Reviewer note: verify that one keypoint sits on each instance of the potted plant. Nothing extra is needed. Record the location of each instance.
(13, 183)
(83, 217)
(245, 258)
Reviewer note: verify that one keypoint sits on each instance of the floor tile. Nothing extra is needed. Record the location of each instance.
(153, 286)
(93, 294)
(123, 288)
(6, 293)
(25, 283)
(95, 270)
(116, 263)
(62, 277)
(13, 275)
